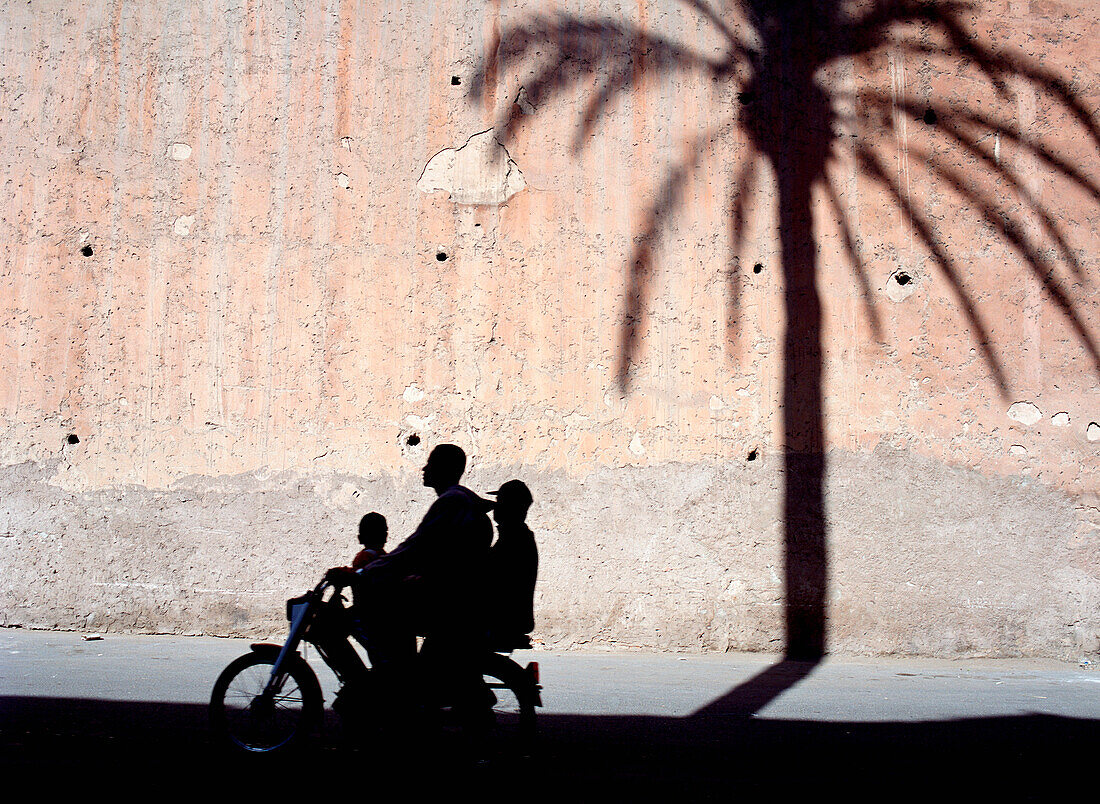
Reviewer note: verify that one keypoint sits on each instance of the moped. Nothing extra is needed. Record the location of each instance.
(269, 700)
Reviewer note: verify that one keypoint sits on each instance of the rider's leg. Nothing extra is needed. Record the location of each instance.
(391, 648)
(458, 656)
(330, 635)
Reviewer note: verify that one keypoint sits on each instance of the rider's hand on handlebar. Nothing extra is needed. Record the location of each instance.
(339, 576)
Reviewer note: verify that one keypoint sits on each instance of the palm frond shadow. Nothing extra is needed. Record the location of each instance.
(950, 119)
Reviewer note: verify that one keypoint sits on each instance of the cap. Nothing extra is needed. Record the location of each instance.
(513, 491)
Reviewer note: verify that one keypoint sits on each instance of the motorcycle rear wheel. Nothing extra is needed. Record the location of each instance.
(241, 714)
(513, 707)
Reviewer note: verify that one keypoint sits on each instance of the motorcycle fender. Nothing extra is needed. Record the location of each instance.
(531, 671)
(266, 648)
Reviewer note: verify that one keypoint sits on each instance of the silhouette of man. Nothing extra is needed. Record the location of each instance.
(432, 585)
(513, 569)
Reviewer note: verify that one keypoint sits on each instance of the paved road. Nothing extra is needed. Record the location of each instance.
(129, 711)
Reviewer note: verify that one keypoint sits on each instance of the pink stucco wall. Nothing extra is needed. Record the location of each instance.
(264, 318)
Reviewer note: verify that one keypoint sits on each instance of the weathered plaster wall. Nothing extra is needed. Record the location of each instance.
(249, 252)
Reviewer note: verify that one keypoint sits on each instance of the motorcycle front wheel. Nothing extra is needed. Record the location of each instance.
(250, 717)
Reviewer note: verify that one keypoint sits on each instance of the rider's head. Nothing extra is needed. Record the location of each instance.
(444, 467)
(513, 500)
(373, 531)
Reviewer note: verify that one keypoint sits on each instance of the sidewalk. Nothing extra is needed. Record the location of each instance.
(172, 669)
(621, 720)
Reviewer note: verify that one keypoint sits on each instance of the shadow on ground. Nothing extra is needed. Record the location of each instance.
(719, 752)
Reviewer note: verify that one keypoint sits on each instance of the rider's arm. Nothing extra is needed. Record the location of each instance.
(415, 554)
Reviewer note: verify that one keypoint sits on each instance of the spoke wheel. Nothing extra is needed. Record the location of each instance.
(513, 705)
(251, 718)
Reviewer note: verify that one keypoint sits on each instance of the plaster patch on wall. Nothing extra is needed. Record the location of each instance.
(1092, 432)
(636, 445)
(1060, 419)
(1025, 413)
(183, 225)
(343, 180)
(479, 172)
(412, 394)
(1018, 449)
(179, 151)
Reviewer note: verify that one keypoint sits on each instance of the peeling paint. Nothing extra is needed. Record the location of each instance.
(523, 101)
(1025, 413)
(479, 172)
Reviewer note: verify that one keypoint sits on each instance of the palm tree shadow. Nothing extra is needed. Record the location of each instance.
(774, 56)
(751, 696)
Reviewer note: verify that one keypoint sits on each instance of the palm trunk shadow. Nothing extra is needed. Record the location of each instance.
(749, 697)
(794, 128)
(804, 547)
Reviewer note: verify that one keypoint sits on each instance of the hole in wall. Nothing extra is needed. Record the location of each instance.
(72, 438)
(752, 456)
(901, 284)
(758, 268)
(413, 440)
(930, 117)
(86, 251)
(441, 256)
(455, 80)
(745, 97)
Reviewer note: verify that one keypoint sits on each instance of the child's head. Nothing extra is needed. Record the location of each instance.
(373, 531)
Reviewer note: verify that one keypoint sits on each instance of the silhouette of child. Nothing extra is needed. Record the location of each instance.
(372, 535)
